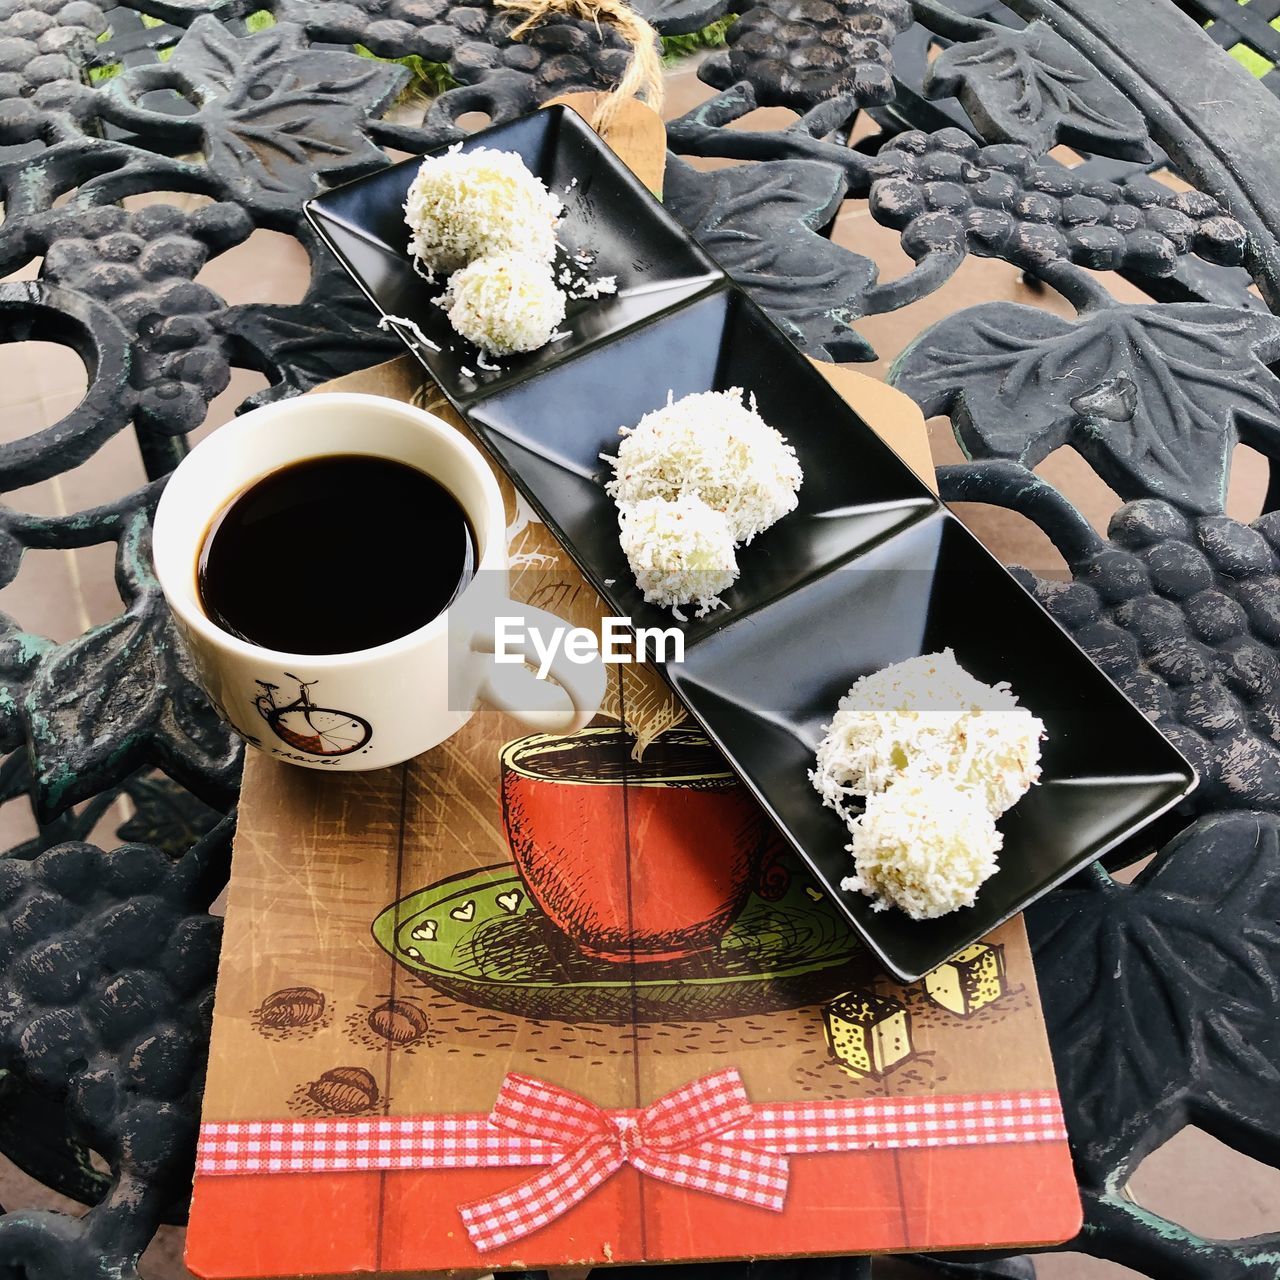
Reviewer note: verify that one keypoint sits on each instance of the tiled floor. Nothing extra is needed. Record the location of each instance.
(58, 594)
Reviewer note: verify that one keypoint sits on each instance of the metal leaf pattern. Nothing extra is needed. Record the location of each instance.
(78, 145)
(1032, 87)
(331, 332)
(166, 815)
(1150, 395)
(273, 115)
(761, 222)
(1153, 990)
(124, 693)
(20, 652)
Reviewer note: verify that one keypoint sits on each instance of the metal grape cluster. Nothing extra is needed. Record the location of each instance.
(1184, 614)
(106, 997)
(106, 959)
(944, 188)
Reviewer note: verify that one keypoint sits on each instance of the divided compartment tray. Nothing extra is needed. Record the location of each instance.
(871, 568)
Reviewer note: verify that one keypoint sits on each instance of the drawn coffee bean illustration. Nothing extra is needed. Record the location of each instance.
(291, 1007)
(344, 1090)
(399, 1021)
(318, 731)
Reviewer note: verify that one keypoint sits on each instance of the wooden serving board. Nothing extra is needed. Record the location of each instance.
(385, 965)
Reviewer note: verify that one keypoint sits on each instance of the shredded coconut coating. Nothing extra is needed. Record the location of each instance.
(504, 303)
(681, 552)
(463, 206)
(924, 846)
(928, 718)
(712, 444)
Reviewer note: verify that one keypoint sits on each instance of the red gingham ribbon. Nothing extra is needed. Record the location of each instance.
(673, 1139)
(705, 1136)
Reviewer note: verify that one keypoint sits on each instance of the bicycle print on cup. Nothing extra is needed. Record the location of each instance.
(315, 730)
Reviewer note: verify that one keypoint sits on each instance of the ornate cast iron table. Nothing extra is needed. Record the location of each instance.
(1163, 995)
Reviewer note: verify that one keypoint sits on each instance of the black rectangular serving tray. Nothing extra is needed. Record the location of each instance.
(656, 264)
(870, 569)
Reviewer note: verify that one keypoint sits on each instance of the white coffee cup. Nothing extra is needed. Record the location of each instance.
(386, 704)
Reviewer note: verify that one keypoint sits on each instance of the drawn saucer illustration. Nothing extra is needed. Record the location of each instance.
(480, 938)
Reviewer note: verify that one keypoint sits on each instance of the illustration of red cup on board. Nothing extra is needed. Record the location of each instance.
(635, 860)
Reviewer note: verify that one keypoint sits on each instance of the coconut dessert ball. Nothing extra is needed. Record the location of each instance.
(681, 552)
(504, 303)
(928, 718)
(923, 846)
(712, 444)
(462, 206)
(1001, 758)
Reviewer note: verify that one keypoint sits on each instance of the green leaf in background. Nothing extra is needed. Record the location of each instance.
(430, 78)
(1250, 59)
(98, 75)
(712, 36)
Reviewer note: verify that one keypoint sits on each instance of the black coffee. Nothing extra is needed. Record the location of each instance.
(335, 554)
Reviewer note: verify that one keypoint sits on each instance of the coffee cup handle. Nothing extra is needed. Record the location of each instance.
(540, 704)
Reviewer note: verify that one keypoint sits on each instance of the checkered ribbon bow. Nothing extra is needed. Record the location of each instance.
(684, 1138)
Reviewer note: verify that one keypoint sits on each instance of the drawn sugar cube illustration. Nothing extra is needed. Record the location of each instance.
(969, 981)
(868, 1034)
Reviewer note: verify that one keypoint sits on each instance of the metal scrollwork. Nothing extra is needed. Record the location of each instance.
(762, 223)
(1031, 87)
(1161, 996)
(1155, 398)
(273, 117)
(1163, 1002)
